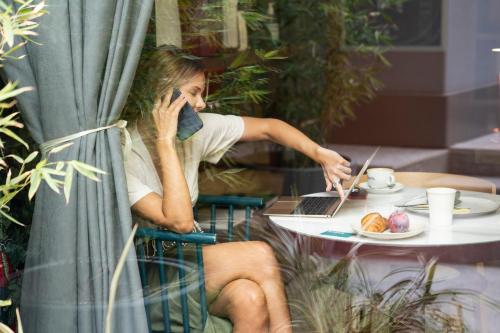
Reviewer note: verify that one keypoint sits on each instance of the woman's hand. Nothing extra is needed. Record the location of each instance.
(335, 168)
(166, 117)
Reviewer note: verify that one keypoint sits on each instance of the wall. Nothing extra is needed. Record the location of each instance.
(436, 96)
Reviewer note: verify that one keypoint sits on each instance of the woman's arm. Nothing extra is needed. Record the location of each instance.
(173, 210)
(334, 166)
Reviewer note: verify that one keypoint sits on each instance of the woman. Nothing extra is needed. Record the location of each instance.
(243, 280)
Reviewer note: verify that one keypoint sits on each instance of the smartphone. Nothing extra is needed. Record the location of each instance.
(189, 120)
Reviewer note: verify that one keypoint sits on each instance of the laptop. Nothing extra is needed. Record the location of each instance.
(314, 206)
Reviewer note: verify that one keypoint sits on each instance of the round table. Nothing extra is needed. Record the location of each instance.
(461, 249)
(464, 231)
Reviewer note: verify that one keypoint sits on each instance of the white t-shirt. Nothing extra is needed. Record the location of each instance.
(209, 144)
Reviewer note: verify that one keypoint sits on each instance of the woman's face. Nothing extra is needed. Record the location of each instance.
(193, 91)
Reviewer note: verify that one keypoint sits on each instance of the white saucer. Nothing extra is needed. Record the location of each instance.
(416, 227)
(474, 206)
(397, 187)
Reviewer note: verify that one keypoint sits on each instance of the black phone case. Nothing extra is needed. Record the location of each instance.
(189, 121)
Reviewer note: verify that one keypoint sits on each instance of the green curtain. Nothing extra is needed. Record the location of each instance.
(82, 72)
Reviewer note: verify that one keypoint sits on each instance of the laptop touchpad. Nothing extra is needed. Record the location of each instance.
(283, 207)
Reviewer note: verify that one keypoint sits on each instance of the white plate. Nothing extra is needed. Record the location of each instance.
(387, 190)
(416, 227)
(476, 206)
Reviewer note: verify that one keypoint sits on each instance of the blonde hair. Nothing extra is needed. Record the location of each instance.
(159, 70)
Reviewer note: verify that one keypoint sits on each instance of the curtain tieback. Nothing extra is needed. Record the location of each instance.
(47, 146)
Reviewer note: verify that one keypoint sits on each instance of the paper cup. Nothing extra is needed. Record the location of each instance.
(441, 203)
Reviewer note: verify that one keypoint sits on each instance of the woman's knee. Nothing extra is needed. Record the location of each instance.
(248, 300)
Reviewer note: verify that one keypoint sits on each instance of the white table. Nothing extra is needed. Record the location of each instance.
(477, 238)
(464, 231)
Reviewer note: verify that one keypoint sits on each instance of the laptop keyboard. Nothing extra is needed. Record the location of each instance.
(314, 205)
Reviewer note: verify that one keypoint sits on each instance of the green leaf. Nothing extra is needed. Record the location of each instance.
(31, 157)
(84, 171)
(34, 183)
(10, 218)
(60, 148)
(13, 93)
(50, 181)
(8, 31)
(5, 120)
(54, 172)
(68, 181)
(88, 167)
(17, 158)
(9, 175)
(14, 136)
(238, 61)
(59, 166)
(41, 164)
(7, 105)
(19, 178)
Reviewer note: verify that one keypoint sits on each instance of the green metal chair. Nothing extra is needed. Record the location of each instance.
(158, 236)
(229, 202)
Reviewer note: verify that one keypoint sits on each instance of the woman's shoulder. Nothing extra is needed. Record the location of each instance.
(216, 120)
(210, 117)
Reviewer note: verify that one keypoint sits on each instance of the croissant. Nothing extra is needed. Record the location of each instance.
(374, 222)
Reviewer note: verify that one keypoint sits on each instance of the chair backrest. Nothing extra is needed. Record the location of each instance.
(230, 203)
(146, 235)
(430, 179)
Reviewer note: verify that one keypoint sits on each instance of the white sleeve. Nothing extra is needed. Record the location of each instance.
(136, 189)
(220, 133)
(136, 185)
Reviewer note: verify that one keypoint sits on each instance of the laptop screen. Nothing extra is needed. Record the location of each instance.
(356, 180)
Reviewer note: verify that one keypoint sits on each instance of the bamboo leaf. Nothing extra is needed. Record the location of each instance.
(55, 172)
(68, 181)
(5, 302)
(41, 164)
(14, 136)
(16, 180)
(116, 277)
(88, 167)
(9, 175)
(5, 120)
(19, 323)
(8, 31)
(14, 93)
(34, 184)
(60, 148)
(17, 158)
(10, 218)
(85, 172)
(31, 157)
(50, 181)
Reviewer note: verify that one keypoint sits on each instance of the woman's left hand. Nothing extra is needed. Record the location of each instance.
(335, 168)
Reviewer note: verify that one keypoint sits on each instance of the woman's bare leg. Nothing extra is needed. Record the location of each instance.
(254, 261)
(244, 303)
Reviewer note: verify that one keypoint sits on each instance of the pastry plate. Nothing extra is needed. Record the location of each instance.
(416, 227)
(387, 190)
(468, 207)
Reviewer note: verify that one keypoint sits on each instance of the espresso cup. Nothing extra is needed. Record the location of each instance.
(379, 178)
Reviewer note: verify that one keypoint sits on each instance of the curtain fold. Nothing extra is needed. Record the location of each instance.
(82, 73)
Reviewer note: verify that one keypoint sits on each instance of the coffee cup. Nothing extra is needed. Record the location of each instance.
(441, 203)
(379, 178)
